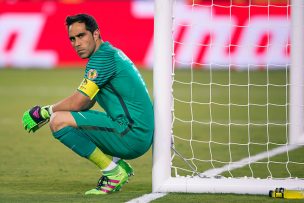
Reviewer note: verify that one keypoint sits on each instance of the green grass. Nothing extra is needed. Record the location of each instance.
(37, 168)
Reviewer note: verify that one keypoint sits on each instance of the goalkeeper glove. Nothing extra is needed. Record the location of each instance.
(36, 117)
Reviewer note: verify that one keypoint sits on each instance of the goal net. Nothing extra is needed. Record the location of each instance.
(228, 90)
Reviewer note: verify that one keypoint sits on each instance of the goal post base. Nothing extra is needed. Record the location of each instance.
(298, 140)
(227, 185)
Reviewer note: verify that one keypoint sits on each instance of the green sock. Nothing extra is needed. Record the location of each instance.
(75, 140)
(83, 146)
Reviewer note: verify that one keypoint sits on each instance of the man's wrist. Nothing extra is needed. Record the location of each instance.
(46, 111)
(50, 110)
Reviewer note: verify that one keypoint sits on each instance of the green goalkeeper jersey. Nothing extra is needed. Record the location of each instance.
(112, 79)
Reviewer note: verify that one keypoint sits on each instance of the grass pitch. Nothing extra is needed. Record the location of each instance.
(37, 168)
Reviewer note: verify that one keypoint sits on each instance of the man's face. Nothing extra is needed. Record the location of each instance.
(82, 40)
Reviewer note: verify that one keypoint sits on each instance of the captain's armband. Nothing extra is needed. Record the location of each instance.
(89, 88)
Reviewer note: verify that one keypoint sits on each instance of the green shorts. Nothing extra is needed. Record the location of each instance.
(115, 138)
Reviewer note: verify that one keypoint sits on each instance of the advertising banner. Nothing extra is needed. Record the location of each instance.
(35, 35)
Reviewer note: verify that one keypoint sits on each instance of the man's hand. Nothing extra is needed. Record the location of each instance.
(35, 118)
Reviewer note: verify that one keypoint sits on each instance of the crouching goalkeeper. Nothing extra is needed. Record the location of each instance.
(123, 131)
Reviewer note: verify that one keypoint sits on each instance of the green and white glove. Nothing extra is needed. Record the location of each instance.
(36, 117)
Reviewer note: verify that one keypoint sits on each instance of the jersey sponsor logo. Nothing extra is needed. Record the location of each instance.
(92, 74)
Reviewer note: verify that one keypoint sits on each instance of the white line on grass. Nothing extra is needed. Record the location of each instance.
(147, 198)
(249, 160)
(213, 172)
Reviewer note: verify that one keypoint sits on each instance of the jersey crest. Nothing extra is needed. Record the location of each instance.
(92, 74)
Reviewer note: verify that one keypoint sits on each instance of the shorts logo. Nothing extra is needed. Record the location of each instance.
(92, 74)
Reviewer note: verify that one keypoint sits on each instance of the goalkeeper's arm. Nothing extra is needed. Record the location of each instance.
(82, 99)
(37, 116)
(76, 102)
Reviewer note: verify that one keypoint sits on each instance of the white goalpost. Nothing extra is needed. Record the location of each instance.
(196, 147)
(297, 64)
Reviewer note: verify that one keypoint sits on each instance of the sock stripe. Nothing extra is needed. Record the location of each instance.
(62, 131)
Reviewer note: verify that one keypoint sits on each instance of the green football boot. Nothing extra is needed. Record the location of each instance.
(110, 182)
(126, 166)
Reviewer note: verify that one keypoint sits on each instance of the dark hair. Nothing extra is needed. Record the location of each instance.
(88, 20)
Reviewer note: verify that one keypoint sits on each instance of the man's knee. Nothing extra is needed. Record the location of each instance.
(60, 120)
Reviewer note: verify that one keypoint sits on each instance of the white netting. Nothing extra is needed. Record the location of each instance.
(231, 90)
